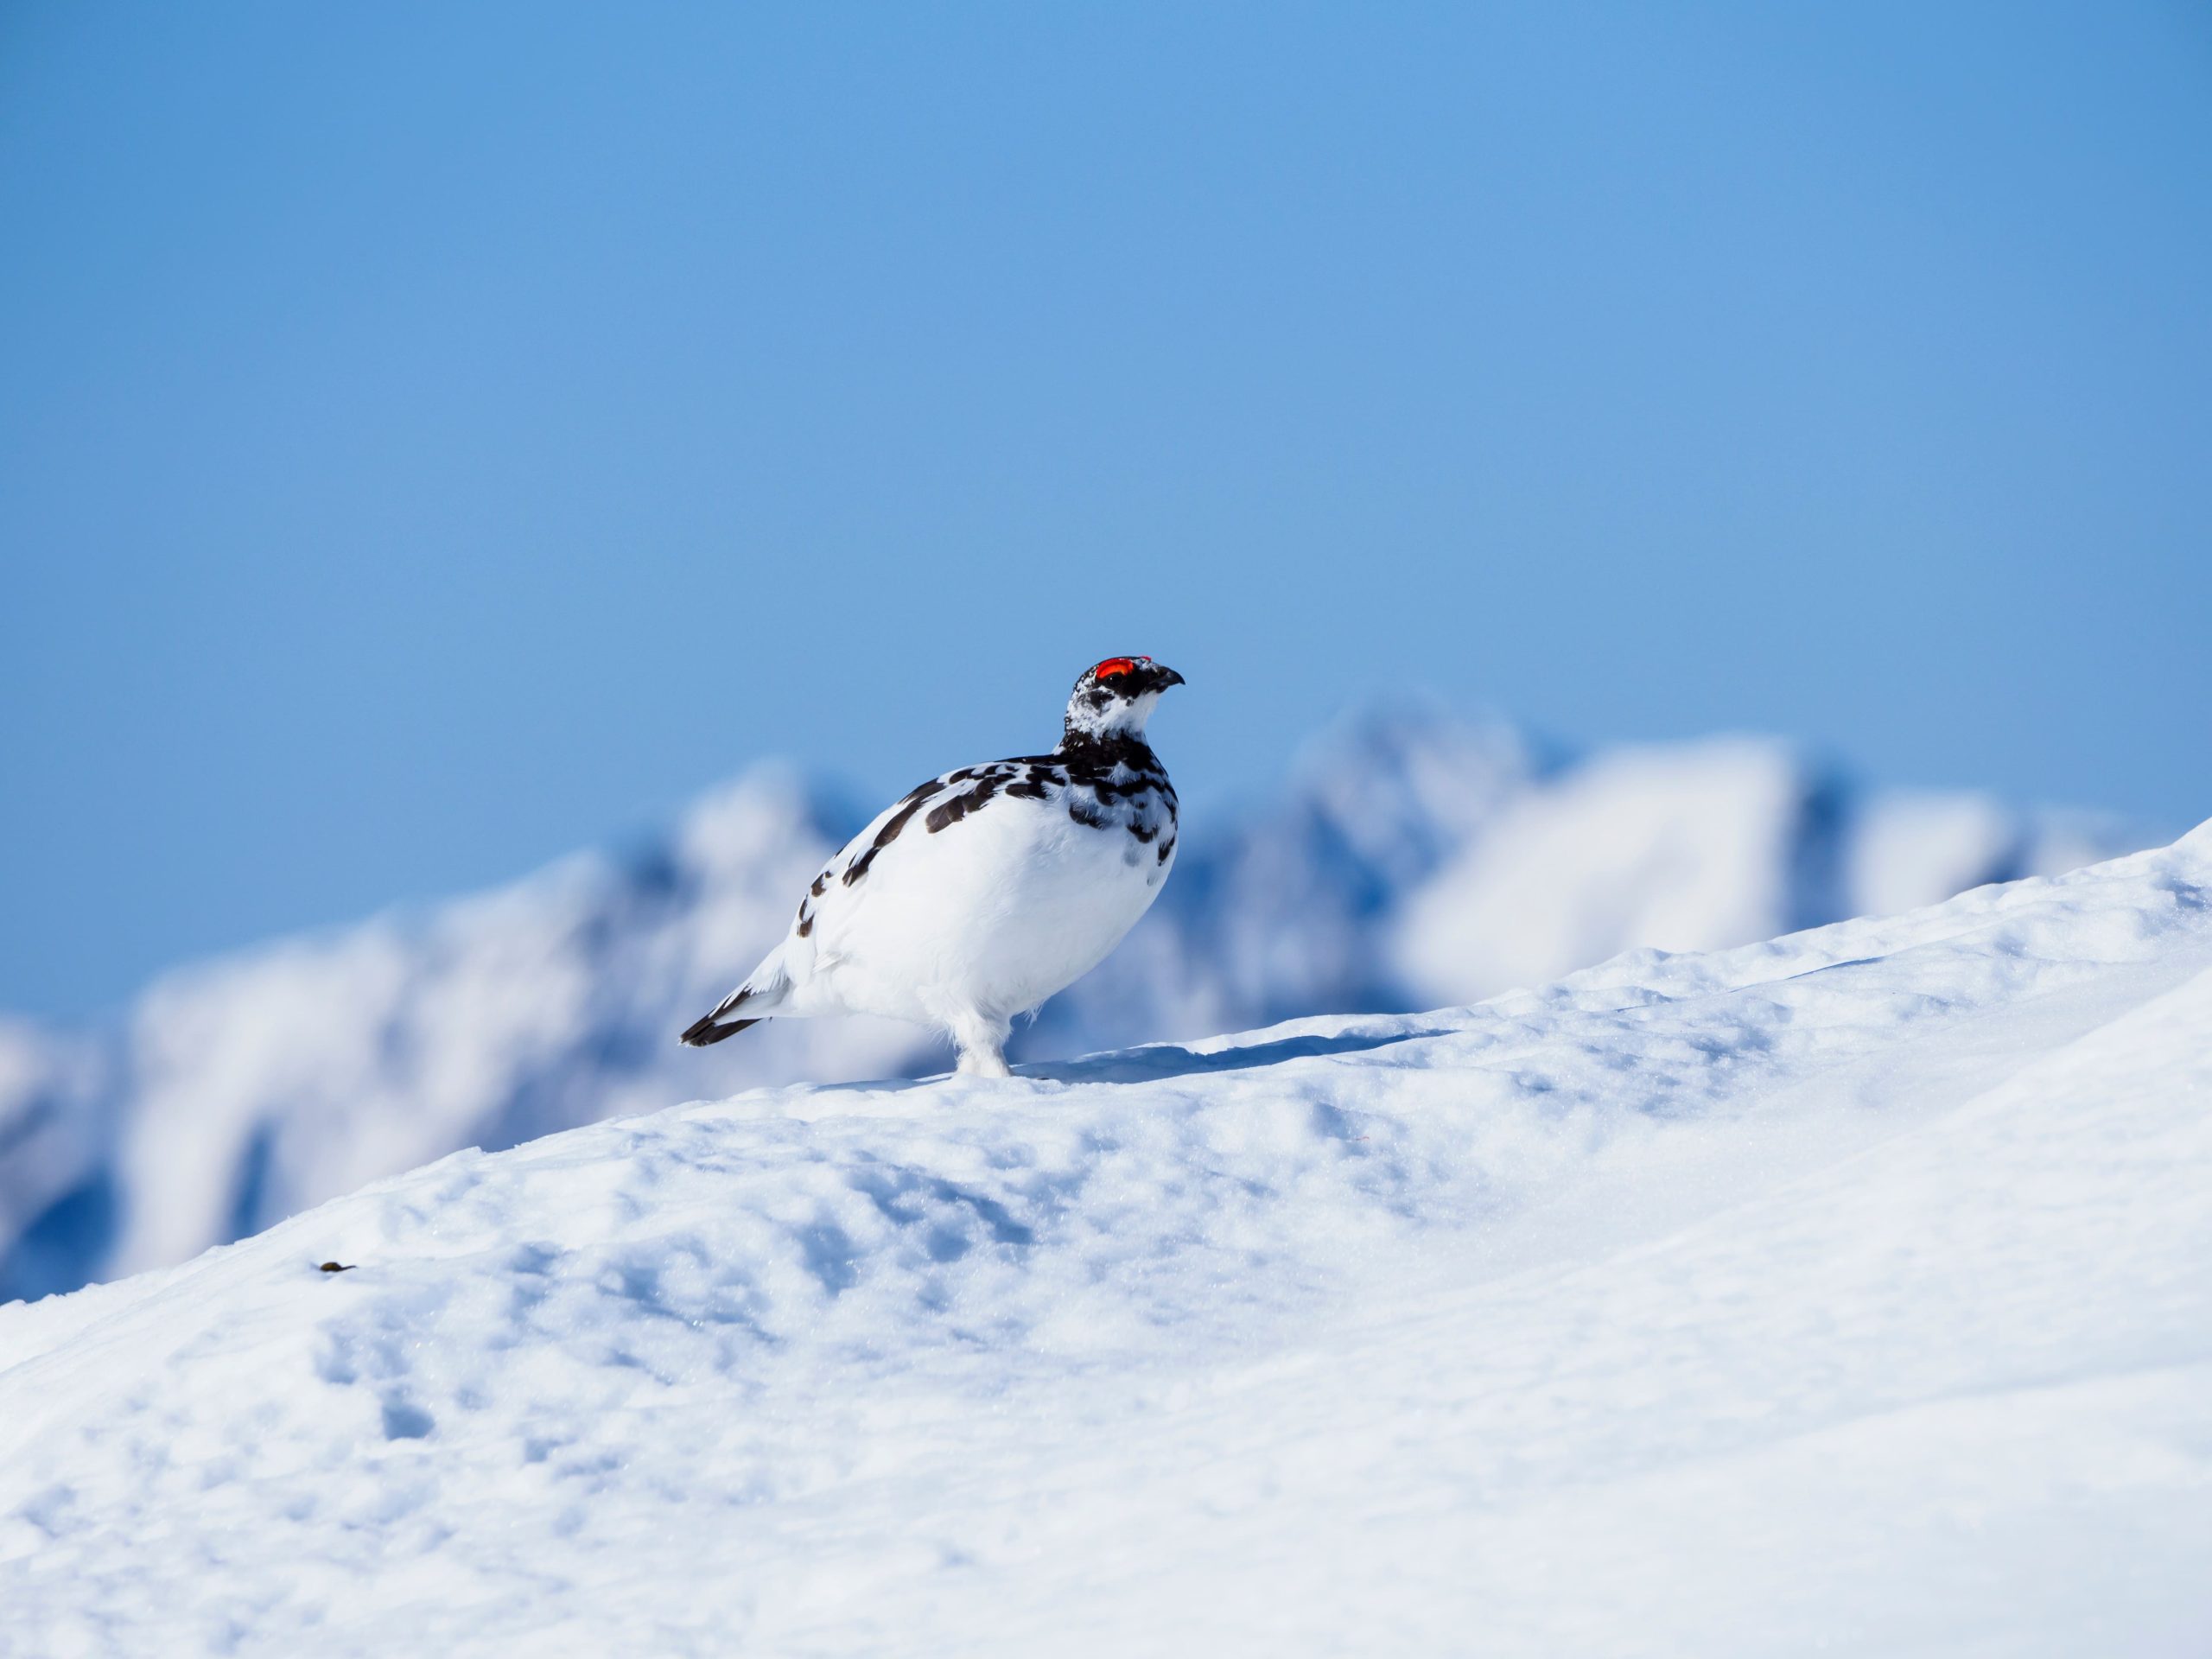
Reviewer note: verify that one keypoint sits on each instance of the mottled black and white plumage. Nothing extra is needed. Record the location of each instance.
(987, 889)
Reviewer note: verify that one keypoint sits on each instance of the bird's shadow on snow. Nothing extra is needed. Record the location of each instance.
(1164, 1060)
(1152, 1063)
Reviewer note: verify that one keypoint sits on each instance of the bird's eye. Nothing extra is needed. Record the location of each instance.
(1114, 668)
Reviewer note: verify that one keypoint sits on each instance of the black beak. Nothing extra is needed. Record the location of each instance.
(1164, 676)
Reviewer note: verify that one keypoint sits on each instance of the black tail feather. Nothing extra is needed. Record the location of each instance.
(708, 1032)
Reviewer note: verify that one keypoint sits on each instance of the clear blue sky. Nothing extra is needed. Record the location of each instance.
(433, 438)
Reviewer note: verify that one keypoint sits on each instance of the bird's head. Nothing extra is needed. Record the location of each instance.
(1115, 697)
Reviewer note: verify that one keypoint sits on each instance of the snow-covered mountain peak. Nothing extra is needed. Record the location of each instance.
(1403, 783)
(1681, 847)
(734, 831)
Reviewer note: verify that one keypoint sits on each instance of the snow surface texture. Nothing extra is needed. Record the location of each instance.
(1416, 860)
(1851, 1293)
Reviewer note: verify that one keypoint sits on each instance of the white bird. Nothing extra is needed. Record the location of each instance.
(985, 890)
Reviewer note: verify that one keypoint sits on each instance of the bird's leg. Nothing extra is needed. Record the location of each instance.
(983, 1044)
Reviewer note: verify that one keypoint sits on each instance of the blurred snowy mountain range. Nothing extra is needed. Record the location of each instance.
(1415, 860)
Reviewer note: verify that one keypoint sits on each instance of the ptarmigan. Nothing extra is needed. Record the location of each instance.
(985, 890)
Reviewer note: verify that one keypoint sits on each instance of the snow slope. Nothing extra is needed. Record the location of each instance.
(1850, 1293)
(1415, 859)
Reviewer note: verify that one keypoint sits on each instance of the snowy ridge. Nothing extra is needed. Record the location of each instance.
(1416, 859)
(1849, 1290)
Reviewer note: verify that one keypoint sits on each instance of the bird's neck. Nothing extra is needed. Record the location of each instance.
(1106, 749)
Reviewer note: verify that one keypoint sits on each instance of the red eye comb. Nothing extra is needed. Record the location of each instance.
(1113, 667)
